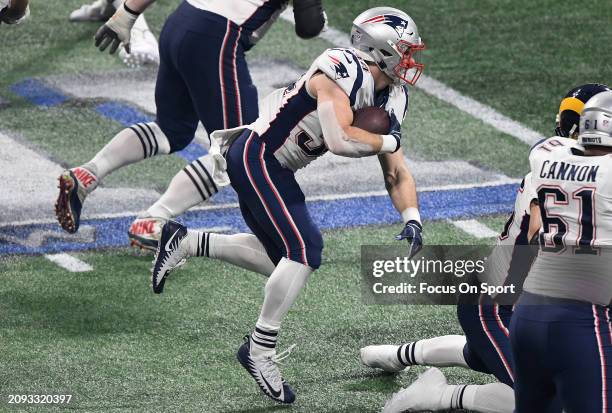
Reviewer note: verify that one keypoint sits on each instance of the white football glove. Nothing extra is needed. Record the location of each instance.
(116, 30)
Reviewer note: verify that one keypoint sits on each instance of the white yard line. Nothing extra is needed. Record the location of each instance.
(69, 263)
(447, 94)
(479, 110)
(331, 197)
(475, 228)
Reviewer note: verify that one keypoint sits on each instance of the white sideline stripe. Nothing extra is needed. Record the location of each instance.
(479, 110)
(330, 197)
(475, 228)
(69, 263)
(447, 94)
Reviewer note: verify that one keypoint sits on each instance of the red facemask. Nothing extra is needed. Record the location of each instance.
(409, 68)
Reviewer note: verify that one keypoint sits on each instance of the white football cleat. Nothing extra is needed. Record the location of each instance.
(171, 253)
(264, 369)
(425, 394)
(145, 231)
(144, 49)
(382, 357)
(98, 11)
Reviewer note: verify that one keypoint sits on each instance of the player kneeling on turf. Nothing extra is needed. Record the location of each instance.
(296, 125)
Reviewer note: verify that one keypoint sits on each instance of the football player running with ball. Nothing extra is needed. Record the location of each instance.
(203, 77)
(296, 125)
(485, 320)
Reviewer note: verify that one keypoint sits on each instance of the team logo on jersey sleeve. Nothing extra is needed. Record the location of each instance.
(340, 68)
(395, 22)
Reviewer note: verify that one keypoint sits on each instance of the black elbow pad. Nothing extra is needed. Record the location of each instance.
(309, 18)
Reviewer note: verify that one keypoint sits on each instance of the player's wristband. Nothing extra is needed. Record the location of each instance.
(411, 214)
(390, 144)
(134, 12)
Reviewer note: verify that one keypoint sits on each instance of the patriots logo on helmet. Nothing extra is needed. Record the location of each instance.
(341, 70)
(395, 22)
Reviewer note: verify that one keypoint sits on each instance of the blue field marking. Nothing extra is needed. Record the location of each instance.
(120, 112)
(37, 93)
(328, 214)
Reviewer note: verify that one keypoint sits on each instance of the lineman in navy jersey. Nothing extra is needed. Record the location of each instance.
(203, 77)
(296, 125)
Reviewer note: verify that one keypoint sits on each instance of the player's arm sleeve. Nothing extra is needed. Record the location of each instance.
(310, 18)
(336, 139)
(336, 93)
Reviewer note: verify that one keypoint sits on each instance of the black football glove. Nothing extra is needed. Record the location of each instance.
(412, 233)
(395, 129)
(116, 30)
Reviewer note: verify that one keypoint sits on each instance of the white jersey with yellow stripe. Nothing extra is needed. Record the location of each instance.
(288, 120)
(575, 196)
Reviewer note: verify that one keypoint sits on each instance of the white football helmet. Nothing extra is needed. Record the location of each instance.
(389, 38)
(596, 121)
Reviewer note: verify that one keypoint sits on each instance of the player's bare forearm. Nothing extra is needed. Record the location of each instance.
(138, 5)
(402, 191)
(399, 181)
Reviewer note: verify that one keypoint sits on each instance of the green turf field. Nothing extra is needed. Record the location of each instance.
(103, 337)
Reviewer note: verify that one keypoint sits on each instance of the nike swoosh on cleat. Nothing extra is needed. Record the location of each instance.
(170, 240)
(276, 394)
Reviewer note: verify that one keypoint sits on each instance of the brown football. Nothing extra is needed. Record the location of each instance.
(373, 119)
